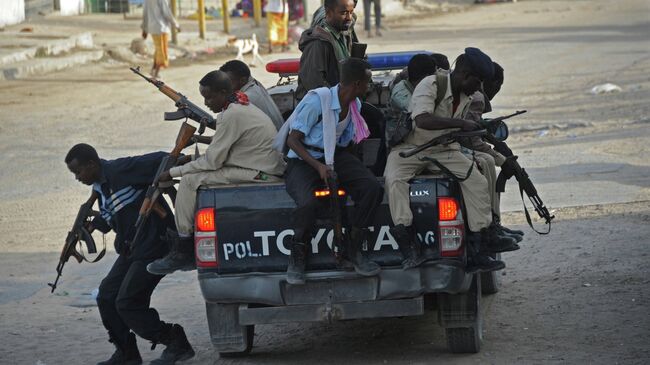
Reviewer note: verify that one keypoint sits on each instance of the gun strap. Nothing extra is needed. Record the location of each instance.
(530, 222)
(99, 256)
(447, 172)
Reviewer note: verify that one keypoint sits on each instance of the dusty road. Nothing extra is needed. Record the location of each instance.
(579, 295)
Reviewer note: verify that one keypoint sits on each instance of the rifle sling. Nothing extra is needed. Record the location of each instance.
(530, 222)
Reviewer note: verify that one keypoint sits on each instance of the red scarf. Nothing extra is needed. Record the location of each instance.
(237, 97)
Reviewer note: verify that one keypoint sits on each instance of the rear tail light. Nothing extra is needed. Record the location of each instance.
(451, 228)
(326, 192)
(205, 238)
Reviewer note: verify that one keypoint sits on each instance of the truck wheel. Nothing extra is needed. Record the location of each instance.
(248, 339)
(490, 281)
(467, 339)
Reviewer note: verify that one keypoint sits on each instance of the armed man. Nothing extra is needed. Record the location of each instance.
(438, 105)
(240, 152)
(325, 122)
(125, 293)
(487, 157)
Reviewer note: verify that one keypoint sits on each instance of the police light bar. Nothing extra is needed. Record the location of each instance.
(378, 62)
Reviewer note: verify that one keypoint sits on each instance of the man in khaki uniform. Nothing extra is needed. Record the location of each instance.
(240, 152)
(486, 157)
(432, 120)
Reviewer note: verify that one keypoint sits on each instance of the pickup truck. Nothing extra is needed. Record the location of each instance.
(241, 245)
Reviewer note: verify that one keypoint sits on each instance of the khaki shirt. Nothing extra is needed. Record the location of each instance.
(424, 101)
(243, 138)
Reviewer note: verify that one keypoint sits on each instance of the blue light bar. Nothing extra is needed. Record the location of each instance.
(392, 60)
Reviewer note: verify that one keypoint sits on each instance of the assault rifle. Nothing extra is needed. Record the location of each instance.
(76, 234)
(444, 139)
(186, 109)
(492, 124)
(150, 202)
(512, 168)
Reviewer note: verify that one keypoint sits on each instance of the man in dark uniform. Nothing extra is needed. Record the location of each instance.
(125, 293)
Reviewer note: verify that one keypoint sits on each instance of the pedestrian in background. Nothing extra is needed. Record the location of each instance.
(366, 17)
(157, 20)
(277, 14)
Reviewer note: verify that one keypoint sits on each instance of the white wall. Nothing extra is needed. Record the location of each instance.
(72, 7)
(12, 12)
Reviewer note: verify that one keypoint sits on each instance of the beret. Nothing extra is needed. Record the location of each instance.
(480, 63)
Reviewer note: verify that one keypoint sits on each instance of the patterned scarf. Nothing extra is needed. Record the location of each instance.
(237, 97)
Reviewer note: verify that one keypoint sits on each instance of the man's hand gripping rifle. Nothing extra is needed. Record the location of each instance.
(186, 109)
(150, 202)
(79, 232)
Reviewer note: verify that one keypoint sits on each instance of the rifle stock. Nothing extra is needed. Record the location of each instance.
(150, 202)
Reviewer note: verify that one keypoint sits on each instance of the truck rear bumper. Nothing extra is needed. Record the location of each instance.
(443, 276)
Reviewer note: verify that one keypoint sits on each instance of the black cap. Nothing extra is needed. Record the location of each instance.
(480, 63)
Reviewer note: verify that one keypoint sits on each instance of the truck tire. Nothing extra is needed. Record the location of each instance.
(491, 281)
(466, 335)
(250, 336)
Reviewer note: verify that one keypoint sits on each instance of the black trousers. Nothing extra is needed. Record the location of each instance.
(301, 180)
(124, 298)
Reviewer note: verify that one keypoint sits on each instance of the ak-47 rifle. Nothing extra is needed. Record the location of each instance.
(337, 245)
(150, 202)
(444, 139)
(512, 168)
(186, 109)
(76, 234)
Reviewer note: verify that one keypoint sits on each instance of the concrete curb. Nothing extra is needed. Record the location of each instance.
(51, 48)
(39, 66)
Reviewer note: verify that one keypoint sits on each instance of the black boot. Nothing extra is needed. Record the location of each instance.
(501, 231)
(504, 229)
(482, 262)
(493, 242)
(478, 260)
(125, 354)
(354, 253)
(408, 246)
(297, 263)
(178, 347)
(181, 256)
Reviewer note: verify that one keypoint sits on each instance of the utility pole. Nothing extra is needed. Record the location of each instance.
(257, 12)
(201, 19)
(172, 4)
(226, 16)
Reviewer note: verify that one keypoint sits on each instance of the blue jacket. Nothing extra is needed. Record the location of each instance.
(122, 190)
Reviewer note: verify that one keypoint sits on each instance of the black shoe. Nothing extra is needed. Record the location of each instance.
(512, 231)
(483, 263)
(178, 347)
(297, 263)
(408, 246)
(493, 242)
(181, 257)
(125, 354)
(362, 265)
(502, 232)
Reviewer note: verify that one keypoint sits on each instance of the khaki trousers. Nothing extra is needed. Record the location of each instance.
(487, 165)
(186, 195)
(400, 170)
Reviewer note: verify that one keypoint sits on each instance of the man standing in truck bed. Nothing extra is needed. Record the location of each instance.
(324, 47)
(240, 152)
(125, 293)
(325, 122)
